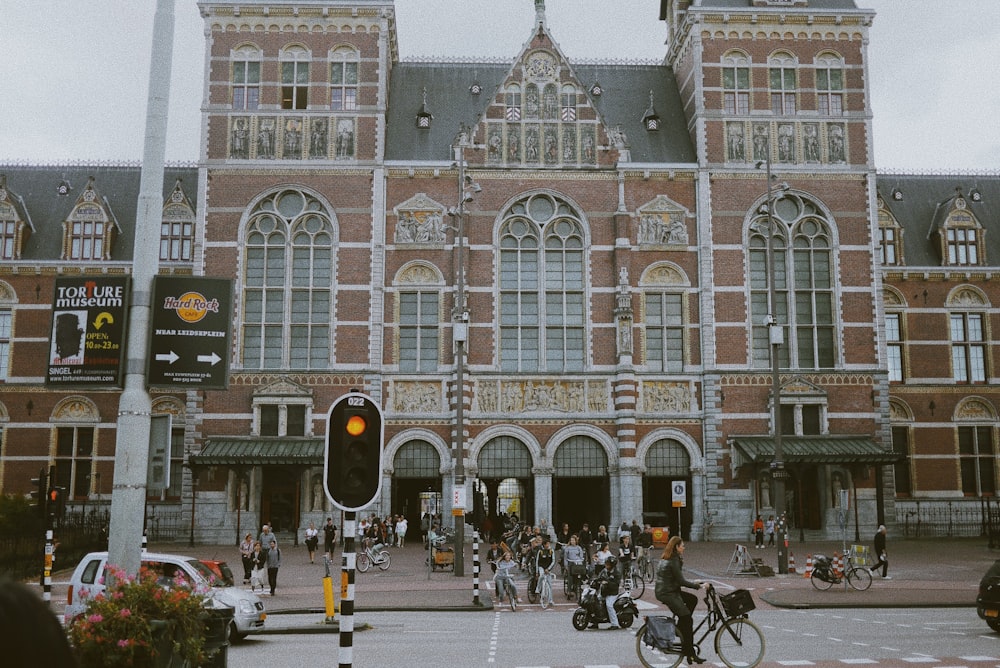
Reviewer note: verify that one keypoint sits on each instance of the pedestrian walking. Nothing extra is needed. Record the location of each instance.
(758, 533)
(769, 530)
(246, 555)
(312, 540)
(273, 564)
(883, 557)
(329, 537)
(401, 526)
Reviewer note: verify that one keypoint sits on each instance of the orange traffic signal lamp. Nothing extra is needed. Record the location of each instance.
(353, 461)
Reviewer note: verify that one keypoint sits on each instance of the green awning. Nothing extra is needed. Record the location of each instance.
(261, 451)
(812, 449)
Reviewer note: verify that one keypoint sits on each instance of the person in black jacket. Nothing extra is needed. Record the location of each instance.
(609, 583)
(883, 558)
(669, 580)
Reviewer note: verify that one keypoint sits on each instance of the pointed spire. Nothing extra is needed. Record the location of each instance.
(540, 13)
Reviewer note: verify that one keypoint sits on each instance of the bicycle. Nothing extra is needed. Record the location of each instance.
(823, 577)
(506, 587)
(573, 577)
(373, 554)
(632, 581)
(645, 565)
(545, 595)
(738, 641)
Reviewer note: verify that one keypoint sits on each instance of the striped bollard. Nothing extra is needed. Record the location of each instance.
(475, 567)
(348, 562)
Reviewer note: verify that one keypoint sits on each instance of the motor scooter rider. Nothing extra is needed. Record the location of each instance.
(609, 582)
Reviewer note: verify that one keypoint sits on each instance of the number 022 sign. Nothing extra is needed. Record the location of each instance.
(678, 491)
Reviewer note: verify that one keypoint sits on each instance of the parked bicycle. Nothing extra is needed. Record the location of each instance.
(823, 576)
(373, 554)
(738, 641)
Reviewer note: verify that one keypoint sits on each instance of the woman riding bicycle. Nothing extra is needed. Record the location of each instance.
(544, 560)
(669, 580)
(505, 575)
(573, 553)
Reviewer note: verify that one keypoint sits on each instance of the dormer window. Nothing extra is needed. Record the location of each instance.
(89, 228)
(890, 236)
(177, 228)
(963, 237)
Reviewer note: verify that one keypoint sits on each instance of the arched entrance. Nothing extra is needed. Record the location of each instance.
(416, 475)
(667, 461)
(505, 471)
(580, 488)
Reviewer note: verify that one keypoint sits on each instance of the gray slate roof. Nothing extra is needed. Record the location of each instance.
(924, 201)
(747, 4)
(37, 184)
(625, 100)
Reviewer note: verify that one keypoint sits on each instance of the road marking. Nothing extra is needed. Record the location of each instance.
(919, 659)
(979, 658)
(858, 661)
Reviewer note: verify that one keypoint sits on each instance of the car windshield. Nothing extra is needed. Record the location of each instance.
(205, 572)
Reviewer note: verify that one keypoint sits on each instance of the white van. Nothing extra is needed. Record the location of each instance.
(89, 577)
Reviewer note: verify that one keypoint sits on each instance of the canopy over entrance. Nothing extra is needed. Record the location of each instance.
(812, 450)
(238, 452)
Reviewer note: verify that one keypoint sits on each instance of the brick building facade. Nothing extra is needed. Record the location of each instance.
(616, 264)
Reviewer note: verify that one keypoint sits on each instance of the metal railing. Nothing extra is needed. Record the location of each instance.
(965, 518)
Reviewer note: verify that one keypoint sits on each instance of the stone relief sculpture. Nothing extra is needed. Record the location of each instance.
(420, 220)
(292, 144)
(318, 138)
(661, 223)
(266, 138)
(761, 135)
(416, 397)
(239, 142)
(835, 139)
(345, 138)
(664, 397)
(810, 132)
(786, 142)
(735, 142)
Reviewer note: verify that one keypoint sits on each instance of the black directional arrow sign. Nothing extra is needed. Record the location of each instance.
(189, 338)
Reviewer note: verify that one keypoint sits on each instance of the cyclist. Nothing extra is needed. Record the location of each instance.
(626, 553)
(669, 580)
(504, 574)
(545, 558)
(645, 543)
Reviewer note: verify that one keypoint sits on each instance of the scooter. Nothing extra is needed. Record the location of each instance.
(593, 611)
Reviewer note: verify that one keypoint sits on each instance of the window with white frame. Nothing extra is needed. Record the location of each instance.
(8, 231)
(281, 418)
(6, 320)
(512, 103)
(74, 459)
(894, 345)
(419, 322)
(664, 330)
(968, 348)
(344, 79)
(804, 284)
(567, 102)
(288, 283)
(782, 68)
(294, 78)
(246, 78)
(177, 229)
(542, 321)
(963, 246)
(890, 237)
(830, 85)
(736, 84)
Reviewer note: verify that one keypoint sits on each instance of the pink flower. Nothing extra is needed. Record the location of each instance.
(124, 643)
(95, 619)
(125, 612)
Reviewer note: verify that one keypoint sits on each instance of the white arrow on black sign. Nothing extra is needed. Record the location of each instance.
(169, 358)
(213, 359)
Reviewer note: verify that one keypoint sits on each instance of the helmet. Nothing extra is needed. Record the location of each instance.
(611, 561)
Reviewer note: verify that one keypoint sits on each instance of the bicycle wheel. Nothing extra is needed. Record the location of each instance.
(638, 585)
(383, 560)
(859, 578)
(646, 569)
(532, 586)
(546, 595)
(364, 563)
(821, 585)
(511, 596)
(567, 585)
(652, 657)
(739, 643)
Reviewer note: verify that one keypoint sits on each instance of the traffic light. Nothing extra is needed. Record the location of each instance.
(353, 476)
(39, 497)
(57, 502)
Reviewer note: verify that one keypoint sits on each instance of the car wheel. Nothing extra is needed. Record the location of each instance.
(234, 633)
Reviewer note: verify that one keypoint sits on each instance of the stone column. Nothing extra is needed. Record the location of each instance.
(543, 494)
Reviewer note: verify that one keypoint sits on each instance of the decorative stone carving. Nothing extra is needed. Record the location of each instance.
(974, 409)
(666, 397)
(416, 397)
(420, 220)
(662, 223)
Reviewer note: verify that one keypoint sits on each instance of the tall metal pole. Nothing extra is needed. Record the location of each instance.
(128, 494)
(775, 337)
(460, 331)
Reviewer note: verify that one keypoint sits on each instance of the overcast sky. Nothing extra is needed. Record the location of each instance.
(76, 72)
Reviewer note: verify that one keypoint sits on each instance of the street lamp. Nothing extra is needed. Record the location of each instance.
(775, 338)
(460, 332)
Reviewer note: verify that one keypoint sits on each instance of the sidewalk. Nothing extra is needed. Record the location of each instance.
(928, 572)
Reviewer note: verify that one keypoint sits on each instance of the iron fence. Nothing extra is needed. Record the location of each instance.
(966, 518)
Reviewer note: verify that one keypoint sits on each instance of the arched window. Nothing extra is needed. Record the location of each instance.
(294, 78)
(512, 103)
(541, 282)
(567, 103)
(246, 77)
(736, 84)
(288, 283)
(782, 71)
(804, 285)
(830, 84)
(344, 79)
(419, 317)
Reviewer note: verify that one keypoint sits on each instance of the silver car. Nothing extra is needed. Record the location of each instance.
(88, 581)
